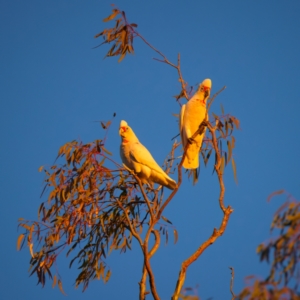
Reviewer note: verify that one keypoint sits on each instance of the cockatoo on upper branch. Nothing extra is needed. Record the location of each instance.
(191, 116)
(137, 158)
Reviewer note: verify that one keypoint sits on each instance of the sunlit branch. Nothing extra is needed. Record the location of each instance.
(142, 283)
(149, 270)
(216, 232)
(217, 165)
(199, 131)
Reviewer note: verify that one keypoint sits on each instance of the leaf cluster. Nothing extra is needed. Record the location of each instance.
(88, 211)
(282, 253)
(121, 35)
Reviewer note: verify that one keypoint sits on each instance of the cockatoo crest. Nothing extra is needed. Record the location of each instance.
(126, 133)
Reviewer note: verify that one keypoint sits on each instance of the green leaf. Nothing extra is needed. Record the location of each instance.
(232, 142)
(106, 151)
(25, 226)
(54, 281)
(236, 122)
(121, 57)
(215, 116)
(112, 16)
(222, 109)
(40, 208)
(279, 192)
(234, 170)
(61, 288)
(107, 276)
(175, 236)
(98, 34)
(71, 249)
(165, 219)
(229, 150)
(20, 239)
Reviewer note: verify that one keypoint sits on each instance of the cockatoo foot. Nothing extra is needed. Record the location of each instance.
(203, 123)
(191, 141)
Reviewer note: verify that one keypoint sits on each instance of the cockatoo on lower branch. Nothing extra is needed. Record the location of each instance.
(192, 114)
(137, 158)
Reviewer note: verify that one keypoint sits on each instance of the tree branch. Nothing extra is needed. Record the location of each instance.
(165, 60)
(179, 181)
(211, 100)
(216, 232)
(145, 197)
(231, 283)
(142, 283)
(132, 230)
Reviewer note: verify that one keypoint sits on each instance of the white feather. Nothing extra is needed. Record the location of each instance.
(137, 158)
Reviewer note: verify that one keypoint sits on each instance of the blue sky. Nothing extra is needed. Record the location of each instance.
(53, 86)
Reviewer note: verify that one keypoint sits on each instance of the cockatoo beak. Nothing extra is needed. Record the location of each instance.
(206, 90)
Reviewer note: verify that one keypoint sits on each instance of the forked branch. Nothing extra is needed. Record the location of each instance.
(216, 232)
(142, 283)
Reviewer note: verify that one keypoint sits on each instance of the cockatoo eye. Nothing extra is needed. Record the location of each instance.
(124, 128)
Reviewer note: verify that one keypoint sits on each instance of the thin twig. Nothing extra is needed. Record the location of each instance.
(211, 100)
(165, 60)
(217, 165)
(145, 197)
(231, 283)
(132, 230)
(199, 131)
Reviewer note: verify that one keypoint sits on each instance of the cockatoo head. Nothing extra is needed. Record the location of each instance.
(126, 132)
(123, 128)
(205, 88)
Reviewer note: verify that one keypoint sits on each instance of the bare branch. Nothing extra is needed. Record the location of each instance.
(231, 283)
(211, 100)
(165, 60)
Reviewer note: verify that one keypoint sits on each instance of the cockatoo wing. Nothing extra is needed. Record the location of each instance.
(181, 127)
(147, 167)
(186, 133)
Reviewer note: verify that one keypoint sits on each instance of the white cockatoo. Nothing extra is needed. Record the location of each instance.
(137, 158)
(191, 116)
